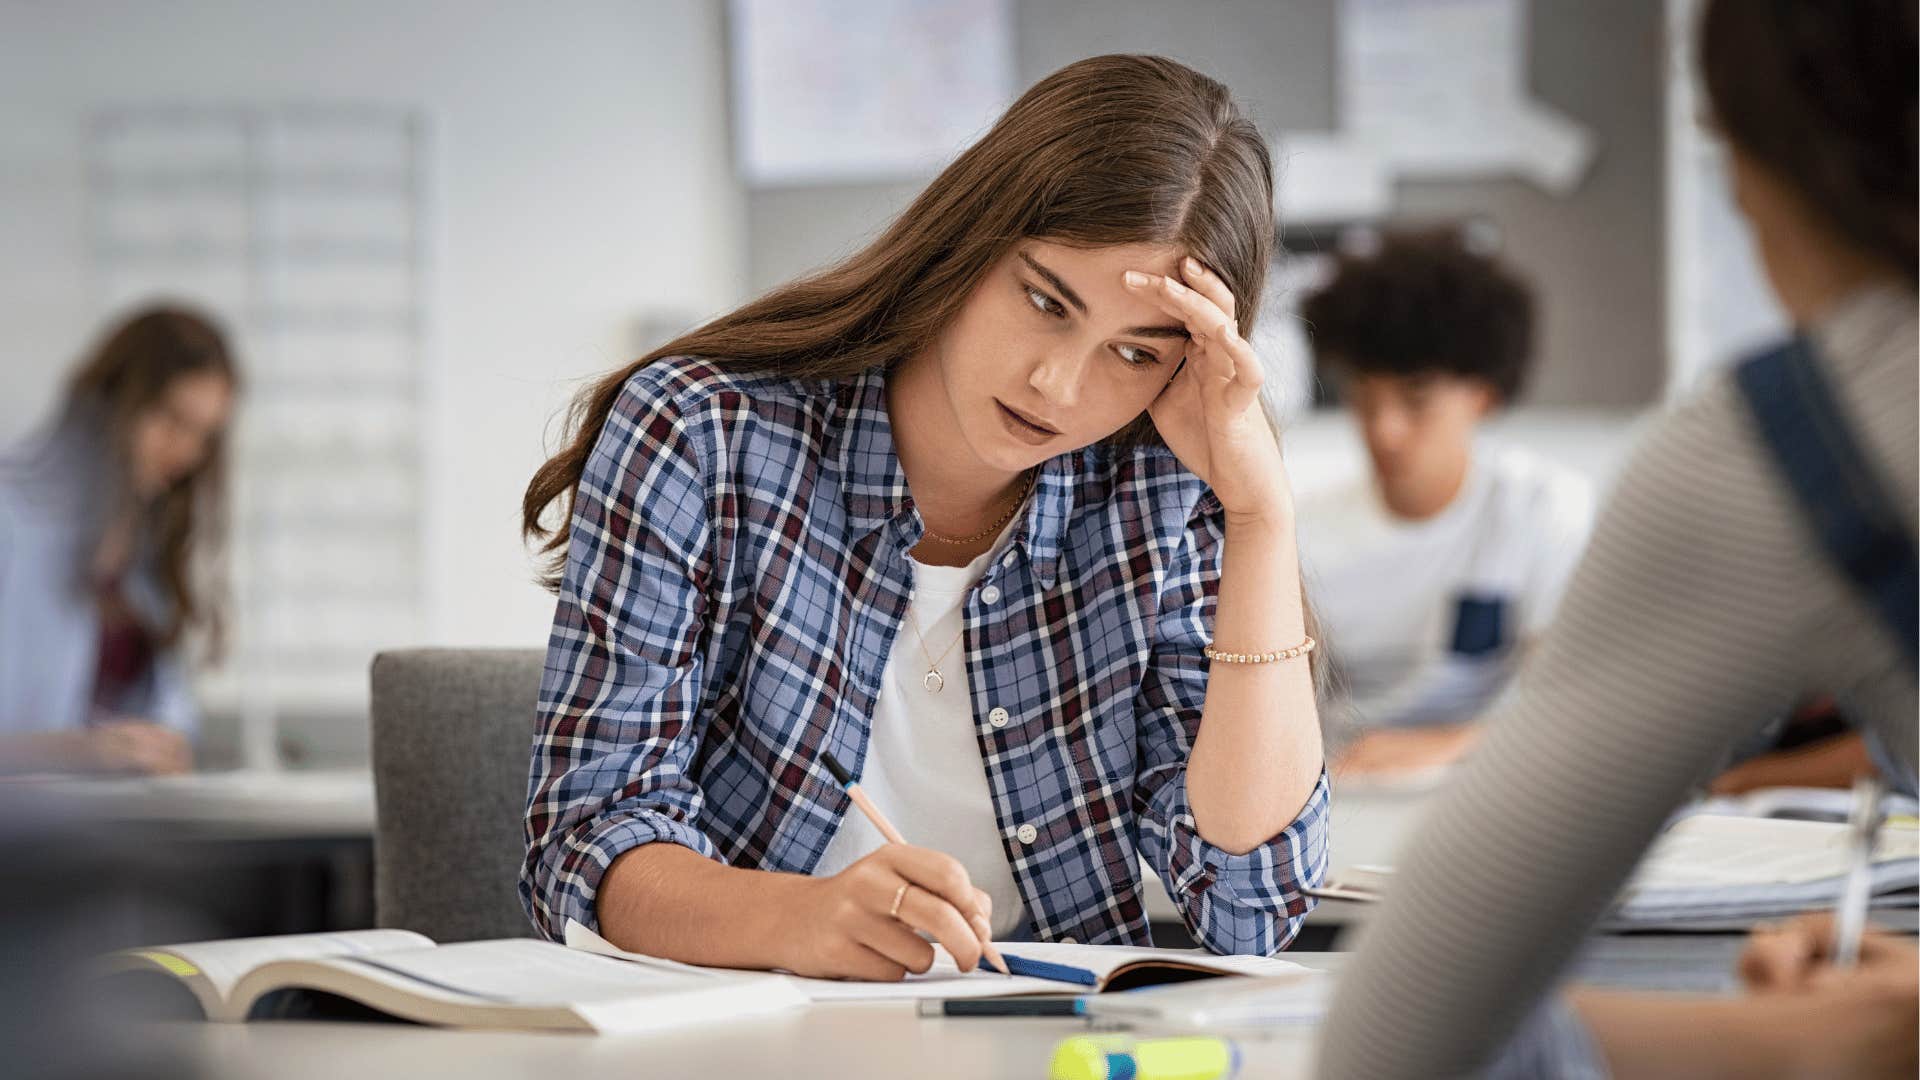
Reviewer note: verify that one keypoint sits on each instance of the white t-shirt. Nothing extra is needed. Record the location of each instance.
(1423, 618)
(923, 767)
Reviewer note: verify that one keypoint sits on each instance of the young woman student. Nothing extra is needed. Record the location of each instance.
(1716, 592)
(104, 519)
(969, 511)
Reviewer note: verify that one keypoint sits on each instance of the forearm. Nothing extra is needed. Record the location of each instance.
(1670, 1035)
(666, 900)
(1830, 762)
(1257, 756)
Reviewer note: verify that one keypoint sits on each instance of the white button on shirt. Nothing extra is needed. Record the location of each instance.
(998, 717)
(990, 595)
(1027, 834)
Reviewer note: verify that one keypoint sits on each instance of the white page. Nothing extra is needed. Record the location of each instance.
(224, 962)
(523, 971)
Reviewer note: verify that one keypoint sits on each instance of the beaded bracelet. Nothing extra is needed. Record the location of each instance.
(1301, 649)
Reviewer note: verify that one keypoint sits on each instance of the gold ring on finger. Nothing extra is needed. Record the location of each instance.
(899, 895)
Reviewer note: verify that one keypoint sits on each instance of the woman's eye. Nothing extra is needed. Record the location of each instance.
(1137, 357)
(1043, 302)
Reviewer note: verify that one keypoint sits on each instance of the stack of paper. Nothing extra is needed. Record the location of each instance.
(1717, 872)
(1710, 870)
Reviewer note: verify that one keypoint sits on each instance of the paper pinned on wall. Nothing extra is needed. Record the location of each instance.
(1431, 89)
(862, 90)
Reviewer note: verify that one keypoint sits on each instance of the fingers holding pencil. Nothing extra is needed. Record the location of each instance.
(941, 875)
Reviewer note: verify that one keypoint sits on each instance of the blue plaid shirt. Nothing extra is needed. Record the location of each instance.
(738, 571)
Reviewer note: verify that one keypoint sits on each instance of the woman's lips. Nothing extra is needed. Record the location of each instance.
(1022, 428)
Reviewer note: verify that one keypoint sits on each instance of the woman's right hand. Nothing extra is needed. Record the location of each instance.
(842, 926)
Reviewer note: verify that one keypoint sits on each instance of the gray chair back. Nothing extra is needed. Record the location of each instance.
(452, 738)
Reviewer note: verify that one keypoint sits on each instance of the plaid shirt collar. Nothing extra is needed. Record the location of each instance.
(874, 487)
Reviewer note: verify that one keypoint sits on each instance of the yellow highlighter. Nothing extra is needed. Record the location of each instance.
(1118, 1057)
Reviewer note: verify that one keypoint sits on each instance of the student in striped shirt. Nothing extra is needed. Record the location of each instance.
(1712, 597)
(968, 511)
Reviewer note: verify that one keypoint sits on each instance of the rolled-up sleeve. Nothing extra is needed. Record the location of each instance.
(619, 716)
(1250, 903)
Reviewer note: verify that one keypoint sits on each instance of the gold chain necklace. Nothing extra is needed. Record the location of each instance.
(933, 680)
(962, 541)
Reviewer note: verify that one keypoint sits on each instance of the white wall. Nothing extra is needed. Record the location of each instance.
(581, 178)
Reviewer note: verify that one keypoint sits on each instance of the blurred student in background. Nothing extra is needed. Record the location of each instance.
(1432, 572)
(1758, 548)
(107, 517)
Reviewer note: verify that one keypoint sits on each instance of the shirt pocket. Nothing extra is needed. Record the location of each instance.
(1480, 625)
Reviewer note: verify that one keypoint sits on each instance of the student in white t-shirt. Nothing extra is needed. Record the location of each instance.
(1433, 572)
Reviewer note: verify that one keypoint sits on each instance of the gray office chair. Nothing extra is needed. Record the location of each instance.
(452, 737)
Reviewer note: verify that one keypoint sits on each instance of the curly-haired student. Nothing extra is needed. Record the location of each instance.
(1432, 572)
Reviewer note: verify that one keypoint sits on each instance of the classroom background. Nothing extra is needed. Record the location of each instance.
(424, 224)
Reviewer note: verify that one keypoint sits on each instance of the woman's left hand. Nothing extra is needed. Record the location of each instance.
(1209, 414)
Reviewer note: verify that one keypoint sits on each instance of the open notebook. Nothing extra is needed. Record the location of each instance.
(512, 983)
(1096, 968)
(1711, 871)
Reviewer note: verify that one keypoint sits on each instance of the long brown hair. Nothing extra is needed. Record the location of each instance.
(184, 526)
(1106, 151)
(1823, 95)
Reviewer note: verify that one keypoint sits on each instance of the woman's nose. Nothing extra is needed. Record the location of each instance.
(1057, 377)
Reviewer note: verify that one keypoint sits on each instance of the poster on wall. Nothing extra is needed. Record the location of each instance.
(852, 91)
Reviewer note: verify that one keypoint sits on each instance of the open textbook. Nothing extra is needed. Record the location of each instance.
(1711, 872)
(1101, 968)
(512, 983)
(591, 985)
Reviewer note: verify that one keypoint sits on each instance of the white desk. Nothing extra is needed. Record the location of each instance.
(830, 1043)
(289, 804)
(826, 1041)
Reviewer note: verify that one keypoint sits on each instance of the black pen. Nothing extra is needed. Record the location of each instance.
(1005, 1006)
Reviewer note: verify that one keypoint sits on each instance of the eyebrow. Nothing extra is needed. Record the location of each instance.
(1053, 279)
